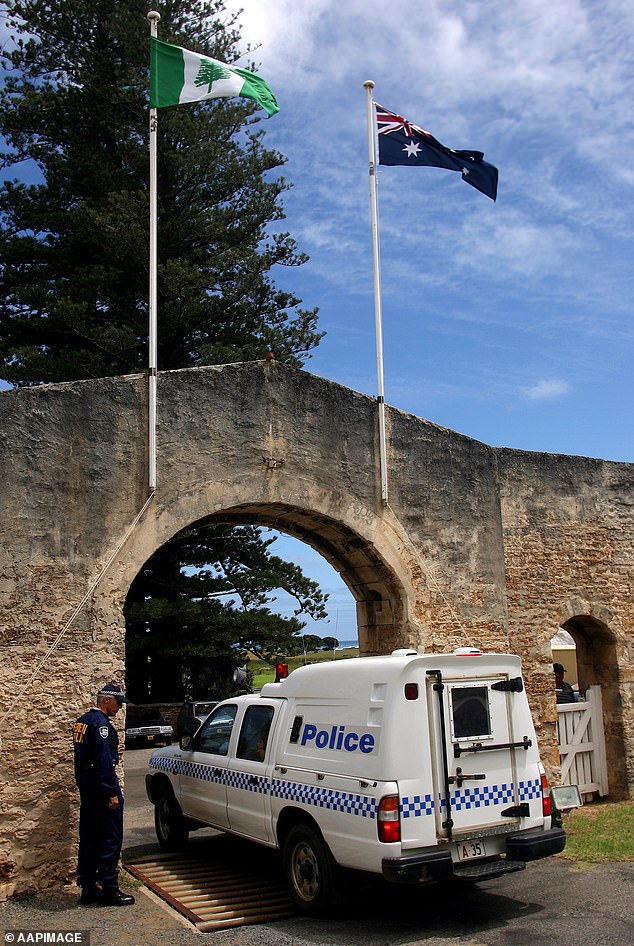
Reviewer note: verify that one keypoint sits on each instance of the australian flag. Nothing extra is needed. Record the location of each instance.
(401, 142)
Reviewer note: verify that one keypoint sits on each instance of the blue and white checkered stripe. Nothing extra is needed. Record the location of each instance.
(465, 799)
(347, 802)
(412, 806)
(207, 773)
(532, 788)
(416, 806)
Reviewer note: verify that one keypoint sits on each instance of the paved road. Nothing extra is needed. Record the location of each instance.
(138, 812)
(551, 903)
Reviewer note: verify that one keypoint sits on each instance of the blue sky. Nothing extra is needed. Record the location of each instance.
(510, 322)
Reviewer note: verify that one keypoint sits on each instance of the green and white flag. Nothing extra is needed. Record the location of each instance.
(178, 76)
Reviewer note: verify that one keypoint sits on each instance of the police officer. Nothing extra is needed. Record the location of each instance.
(96, 747)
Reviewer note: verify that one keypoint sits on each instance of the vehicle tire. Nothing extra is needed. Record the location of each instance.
(171, 828)
(309, 869)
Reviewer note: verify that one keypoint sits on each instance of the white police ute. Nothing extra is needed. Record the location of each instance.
(415, 767)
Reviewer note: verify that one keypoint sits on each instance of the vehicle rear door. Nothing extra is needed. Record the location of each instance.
(474, 770)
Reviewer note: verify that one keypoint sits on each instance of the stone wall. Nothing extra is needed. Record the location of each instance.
(477, 546)
(569, 554)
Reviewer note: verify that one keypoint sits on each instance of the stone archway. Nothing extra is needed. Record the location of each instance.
(478, 545)
(382, 582)
(381, 601)
(598, 664)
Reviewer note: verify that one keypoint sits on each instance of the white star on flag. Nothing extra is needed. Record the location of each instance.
(412, 149)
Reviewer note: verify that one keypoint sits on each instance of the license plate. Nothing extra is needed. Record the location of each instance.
(468, 850)
(150, 738)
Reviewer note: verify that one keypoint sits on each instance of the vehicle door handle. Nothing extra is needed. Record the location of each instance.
(517, 811)
(460, 777)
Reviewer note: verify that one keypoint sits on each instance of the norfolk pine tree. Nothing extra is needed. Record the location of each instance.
(74, 241)
(74, 255)
(217, 599)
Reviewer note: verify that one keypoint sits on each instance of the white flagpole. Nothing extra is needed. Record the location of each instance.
(368, 86)
(154, 18)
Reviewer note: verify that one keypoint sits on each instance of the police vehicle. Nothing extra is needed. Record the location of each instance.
(415, 767)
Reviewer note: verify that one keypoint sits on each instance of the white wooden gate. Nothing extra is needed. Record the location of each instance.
(582, 744)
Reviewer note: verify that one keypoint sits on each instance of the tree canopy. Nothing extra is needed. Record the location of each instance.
(74, 221)
(211, 587)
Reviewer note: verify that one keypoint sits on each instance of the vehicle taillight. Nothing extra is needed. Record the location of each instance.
(389, 823)
(546, 804)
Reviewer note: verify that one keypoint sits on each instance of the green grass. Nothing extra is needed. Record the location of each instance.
(599, 833)
(264, 673)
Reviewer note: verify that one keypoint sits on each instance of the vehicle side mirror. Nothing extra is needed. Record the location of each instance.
(187, 742)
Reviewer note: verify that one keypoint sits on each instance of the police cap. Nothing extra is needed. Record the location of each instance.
(113, 689)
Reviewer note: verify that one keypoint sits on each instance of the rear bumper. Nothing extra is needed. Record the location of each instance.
(533, 845)
(436, 864)
(417, 868)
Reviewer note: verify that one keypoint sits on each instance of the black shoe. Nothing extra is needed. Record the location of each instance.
(115, 898)
(89, 896)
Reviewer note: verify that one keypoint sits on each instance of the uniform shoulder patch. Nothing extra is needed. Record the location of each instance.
(103, 732)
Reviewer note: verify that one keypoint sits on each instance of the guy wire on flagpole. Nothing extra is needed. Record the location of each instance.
(368, 86)
(154, 19)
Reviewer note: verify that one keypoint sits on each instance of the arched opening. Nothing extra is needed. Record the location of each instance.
(377, 594)
(374, 586)
(596, 662)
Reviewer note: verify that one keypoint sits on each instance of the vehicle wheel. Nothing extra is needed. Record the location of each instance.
(171, 829)
(309, 869)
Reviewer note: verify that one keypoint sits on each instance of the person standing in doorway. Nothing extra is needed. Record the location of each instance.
(96, 746)
(565, 693)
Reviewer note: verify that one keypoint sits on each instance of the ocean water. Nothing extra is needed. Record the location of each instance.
(345, 644)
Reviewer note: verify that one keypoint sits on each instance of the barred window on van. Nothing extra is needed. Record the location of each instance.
(470, 712)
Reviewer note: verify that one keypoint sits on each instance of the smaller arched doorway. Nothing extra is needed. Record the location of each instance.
(594, 662)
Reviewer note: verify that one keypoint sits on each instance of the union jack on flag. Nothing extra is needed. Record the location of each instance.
(387, 122)
(402, 142)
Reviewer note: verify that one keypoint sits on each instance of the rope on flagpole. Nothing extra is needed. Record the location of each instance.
(378, 318)
(154, 19)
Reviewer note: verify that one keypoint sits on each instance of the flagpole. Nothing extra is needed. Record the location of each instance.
(368, 86)
(154, 19)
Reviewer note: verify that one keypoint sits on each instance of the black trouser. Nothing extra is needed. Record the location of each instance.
(100, 839)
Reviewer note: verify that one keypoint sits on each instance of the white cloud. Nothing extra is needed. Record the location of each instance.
(547, 390)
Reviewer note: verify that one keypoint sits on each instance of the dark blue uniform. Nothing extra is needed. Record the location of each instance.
(100, 828)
